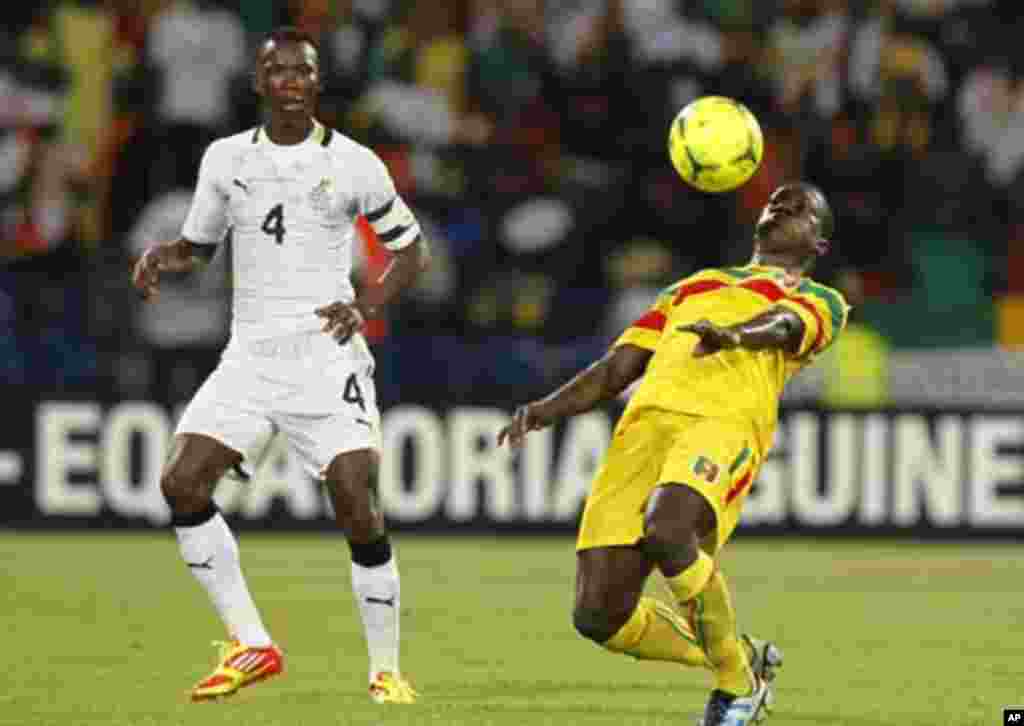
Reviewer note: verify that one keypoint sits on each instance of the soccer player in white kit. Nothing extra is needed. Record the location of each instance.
(297, 363)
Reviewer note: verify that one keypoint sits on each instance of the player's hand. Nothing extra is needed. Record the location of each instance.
(525, 419)
(146, 274)
(713, 338)
(341, 320)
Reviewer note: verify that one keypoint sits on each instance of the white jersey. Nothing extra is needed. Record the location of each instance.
(292, 211)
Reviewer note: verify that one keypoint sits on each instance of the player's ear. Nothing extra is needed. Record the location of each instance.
(319, 76)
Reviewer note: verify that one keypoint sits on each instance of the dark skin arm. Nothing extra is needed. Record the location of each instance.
(777, 328)
(342, 320)
(601, 382)
(178, 256)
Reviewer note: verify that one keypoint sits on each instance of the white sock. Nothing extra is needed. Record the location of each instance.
(377, 591)
(211, 553)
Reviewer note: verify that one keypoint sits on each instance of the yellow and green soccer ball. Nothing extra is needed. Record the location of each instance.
(715, 144)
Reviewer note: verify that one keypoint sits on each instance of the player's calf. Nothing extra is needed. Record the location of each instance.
(351, 480)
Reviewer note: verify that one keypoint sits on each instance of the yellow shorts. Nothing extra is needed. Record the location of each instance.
(650, 448)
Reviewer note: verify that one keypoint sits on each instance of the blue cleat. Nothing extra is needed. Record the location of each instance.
(725, 709)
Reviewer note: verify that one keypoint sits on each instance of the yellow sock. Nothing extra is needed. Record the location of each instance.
(714, 621)
(656, 632)
(689, 583)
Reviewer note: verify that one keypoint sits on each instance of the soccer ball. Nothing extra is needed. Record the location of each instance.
(715, 144)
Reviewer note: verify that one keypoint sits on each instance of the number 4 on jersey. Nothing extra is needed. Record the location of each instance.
(273, 224)
(353, 393)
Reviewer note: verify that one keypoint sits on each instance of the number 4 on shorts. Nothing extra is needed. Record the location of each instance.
(353, 393)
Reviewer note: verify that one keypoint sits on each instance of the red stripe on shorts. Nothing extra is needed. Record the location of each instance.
(739, 486)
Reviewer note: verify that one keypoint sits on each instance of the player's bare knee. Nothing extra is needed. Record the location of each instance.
(352, 482)
(357, 467)
(598, 625)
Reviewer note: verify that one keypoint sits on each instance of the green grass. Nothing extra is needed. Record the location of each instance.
(111, 629)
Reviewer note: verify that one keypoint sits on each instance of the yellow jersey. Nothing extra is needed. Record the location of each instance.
(737, 384)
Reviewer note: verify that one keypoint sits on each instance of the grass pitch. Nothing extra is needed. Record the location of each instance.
(111, 629)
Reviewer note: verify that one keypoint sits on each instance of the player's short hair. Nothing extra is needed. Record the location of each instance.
(288, 34)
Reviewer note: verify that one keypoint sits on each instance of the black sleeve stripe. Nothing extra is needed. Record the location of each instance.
(379, 213)
(203, 252)
(392, 234)
(328, 133)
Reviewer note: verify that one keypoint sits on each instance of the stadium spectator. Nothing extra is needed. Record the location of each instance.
(418, 79)
(805, 47)
(197, 47)
(483, 109)
(856, 368)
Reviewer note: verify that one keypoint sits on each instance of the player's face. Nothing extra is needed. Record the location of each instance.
(288, 78)
(791, 221)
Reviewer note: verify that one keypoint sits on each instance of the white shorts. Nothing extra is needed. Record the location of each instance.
(318, 394)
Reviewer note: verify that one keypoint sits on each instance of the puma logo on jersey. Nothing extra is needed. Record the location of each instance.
(238, 183)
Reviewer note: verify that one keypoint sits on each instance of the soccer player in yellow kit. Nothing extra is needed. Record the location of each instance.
(712, 355)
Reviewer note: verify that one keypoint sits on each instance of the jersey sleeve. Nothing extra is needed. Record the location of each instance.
(387, 213)
(645, 332)
(824, 312)
(207, 220)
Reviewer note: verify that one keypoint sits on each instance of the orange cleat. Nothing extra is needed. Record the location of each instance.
(391, 688)
(240, 666)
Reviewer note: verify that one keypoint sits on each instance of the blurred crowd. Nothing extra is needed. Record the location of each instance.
(529, 135)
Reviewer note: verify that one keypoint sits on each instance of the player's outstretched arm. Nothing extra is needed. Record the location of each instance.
(178, 256)
(600, 382)
(775, 328)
